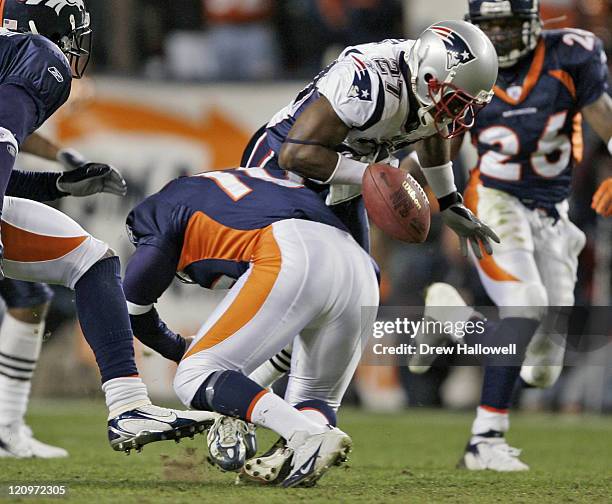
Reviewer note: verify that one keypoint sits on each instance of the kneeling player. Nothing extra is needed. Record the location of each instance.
(298, 272)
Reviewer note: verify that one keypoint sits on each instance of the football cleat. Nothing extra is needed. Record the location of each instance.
(438, 297)
(135, 428)
(491, 451)
(250, 439)
(226, 445)
(313, 455)
(17, 441)
(270, 468)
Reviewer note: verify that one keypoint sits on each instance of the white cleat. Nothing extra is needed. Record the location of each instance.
(313, 455)
(270, 468)
(226, 445)
(17, 441)
(440, 302)
(135, 428)
(491, 452)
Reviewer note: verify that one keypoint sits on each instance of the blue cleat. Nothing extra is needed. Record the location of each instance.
(147, 424)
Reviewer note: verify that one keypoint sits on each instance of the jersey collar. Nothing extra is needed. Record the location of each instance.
(530, 80)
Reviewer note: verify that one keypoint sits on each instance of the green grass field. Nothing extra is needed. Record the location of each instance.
(408, 457)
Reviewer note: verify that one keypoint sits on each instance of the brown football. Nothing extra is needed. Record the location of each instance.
(396, 203)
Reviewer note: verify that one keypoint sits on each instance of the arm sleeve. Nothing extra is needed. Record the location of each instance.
(354, 92)
(589, 70)
(148, 274)
(34, 185)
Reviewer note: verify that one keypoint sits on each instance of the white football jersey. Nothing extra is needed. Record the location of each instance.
(368, 87)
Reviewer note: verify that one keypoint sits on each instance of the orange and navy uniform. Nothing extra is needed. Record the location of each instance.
(529, 137)
(207, 226)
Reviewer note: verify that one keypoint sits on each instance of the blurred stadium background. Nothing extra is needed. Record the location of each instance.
(178, 87)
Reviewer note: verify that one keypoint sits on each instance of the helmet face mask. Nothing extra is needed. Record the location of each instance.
(66, 23)
(452, 107)
(514, 26)
(77, 47)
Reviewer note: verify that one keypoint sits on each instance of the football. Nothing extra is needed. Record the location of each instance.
(396, 203)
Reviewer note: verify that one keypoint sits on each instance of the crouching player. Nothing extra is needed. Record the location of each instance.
(298, 271)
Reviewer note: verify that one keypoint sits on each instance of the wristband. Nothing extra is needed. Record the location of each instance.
(440, 179)
(134, 309)
(347, 171)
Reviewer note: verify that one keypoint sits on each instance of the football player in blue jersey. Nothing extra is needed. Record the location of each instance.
(27, 304)
(528, 140)
(43, 45)
(297, 271)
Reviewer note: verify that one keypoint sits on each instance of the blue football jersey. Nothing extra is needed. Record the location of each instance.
(206, 222)
(39, 67)
(530, 135)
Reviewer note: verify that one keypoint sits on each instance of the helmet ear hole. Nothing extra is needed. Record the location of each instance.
(428, 77)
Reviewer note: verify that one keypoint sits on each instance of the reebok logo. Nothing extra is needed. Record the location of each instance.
(56, 73)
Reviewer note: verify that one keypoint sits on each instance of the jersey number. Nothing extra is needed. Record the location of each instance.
(236, 189)
(494, 163)
(584, 38)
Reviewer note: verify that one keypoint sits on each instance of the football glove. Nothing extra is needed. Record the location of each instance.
(467, 226)
(85, 178)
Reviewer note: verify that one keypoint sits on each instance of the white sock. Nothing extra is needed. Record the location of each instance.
(272, 412)
(20, 345)
(487, 420)
(266, 374)
(315, 415)
(125, 394)
(271, 370)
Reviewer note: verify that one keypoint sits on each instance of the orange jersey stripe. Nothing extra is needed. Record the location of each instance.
(577, 139)
(530, 80)
(566, 79)
(25, 246)
(487, 263)
(264, 272)
(205, 238)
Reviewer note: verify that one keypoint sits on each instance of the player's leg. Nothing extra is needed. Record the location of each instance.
(279, 295)
(325, 356)
(21, 335)
(557, 250)
(43, 244)
(512, 280)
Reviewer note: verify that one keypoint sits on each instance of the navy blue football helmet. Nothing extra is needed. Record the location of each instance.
(514, 26)
(64, 22)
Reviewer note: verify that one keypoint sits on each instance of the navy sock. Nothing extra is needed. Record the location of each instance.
(104, 319)
(227, 392)
(499, 380)
(322, 407)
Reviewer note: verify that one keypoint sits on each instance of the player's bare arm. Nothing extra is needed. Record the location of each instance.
(309, 148)
(598, 115)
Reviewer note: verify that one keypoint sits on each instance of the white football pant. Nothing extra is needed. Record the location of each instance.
(305, 278)
(42, 244)
(533, 267)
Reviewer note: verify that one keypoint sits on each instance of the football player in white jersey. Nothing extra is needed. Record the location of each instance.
(374, 100)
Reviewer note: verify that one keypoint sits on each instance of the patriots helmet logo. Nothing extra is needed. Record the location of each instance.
(458, 52)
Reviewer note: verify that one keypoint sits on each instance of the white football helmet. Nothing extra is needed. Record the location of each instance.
(453, 69)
